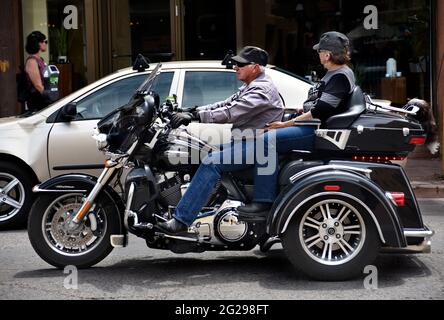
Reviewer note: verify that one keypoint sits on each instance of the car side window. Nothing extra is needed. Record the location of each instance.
(103, 101)
(205, 87)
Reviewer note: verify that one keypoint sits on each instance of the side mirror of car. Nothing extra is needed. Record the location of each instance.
(68, 112)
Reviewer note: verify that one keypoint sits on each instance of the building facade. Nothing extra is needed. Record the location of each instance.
(108, 34)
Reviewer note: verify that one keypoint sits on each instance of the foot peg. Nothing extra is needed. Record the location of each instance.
(119, 240)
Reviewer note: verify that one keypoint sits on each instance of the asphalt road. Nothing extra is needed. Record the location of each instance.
(138, 272)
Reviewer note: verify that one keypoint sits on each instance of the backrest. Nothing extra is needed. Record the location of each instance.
(355, 107)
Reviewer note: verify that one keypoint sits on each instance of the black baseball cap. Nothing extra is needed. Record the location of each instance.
(250, 55)
(333, 41)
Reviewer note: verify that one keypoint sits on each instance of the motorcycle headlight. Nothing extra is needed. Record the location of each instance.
(100, 138)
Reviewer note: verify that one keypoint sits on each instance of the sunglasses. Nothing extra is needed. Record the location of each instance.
(45, 41)
(241, 65)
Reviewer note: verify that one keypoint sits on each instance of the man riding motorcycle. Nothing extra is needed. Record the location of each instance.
(256, 103)
(326, 99)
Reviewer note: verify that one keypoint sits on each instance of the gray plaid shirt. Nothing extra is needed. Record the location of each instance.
(252, 107)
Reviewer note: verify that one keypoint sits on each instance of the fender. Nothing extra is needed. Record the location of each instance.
(81, 183)
(354, 185)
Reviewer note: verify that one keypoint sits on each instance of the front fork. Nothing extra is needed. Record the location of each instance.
(86, 206)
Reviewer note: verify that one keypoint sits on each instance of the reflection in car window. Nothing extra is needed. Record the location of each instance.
(205, 87)
(110, 97)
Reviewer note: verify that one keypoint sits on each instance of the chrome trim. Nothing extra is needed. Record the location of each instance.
(381, 236)
(298, 175)
(423, 247)
(159, 217)
(341, 143)
(181, 238)
(153, 141)
(419, 233)
(391, 129)
(101, 182)
(37, 189)
(370, 101)
(185, 134)
(128, 211)
(172, 153)
(118, 240)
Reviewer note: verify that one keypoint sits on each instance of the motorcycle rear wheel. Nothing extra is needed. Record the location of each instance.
(331, 238)
(83, 248)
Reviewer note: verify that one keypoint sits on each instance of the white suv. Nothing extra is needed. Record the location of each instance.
(42, 146)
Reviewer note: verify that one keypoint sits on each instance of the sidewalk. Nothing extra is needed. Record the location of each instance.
(425, 176)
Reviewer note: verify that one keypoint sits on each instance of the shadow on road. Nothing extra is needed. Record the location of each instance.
(272, 271)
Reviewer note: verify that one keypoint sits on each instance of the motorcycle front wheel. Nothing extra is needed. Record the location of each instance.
(84, 247)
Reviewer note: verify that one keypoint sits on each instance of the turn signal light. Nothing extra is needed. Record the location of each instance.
(110, 164)
(398, 198)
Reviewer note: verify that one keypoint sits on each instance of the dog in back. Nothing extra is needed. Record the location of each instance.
(424, 114)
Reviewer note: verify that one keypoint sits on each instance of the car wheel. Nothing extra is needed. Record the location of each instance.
(15, 196)
(331, 238)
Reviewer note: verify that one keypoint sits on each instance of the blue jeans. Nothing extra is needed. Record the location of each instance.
(260, 154)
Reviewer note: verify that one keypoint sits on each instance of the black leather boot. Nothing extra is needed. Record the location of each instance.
(172, 226)
(254, 211)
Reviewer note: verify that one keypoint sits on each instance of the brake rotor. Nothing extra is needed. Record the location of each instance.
(78, 238)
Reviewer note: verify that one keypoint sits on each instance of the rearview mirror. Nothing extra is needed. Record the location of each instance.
(68, 112)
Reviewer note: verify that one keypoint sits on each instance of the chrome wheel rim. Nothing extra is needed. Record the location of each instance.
(332, 232)
(72, 242)
(12, 196)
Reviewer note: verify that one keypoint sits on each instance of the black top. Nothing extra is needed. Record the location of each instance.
(329, 97)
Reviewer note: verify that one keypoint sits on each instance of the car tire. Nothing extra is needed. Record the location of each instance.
(312, 255)
(15, 202)
(44, 238)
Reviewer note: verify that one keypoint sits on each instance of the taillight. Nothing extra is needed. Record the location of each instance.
(417, 140)
(378, 158)
(398, 198)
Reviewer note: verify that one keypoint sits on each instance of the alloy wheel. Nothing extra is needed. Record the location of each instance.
(68, 242)
(12, 196)
(332, 232)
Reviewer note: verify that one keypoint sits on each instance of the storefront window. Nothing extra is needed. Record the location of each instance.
(291, 28)
(67, 46)
(151, 29)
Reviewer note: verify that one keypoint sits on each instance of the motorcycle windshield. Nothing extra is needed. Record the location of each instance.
(148, 83)
(111, 119)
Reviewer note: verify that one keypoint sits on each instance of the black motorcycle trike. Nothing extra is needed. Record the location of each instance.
(338, 208)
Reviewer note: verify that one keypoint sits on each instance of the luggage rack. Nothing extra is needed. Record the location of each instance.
(412, 112)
